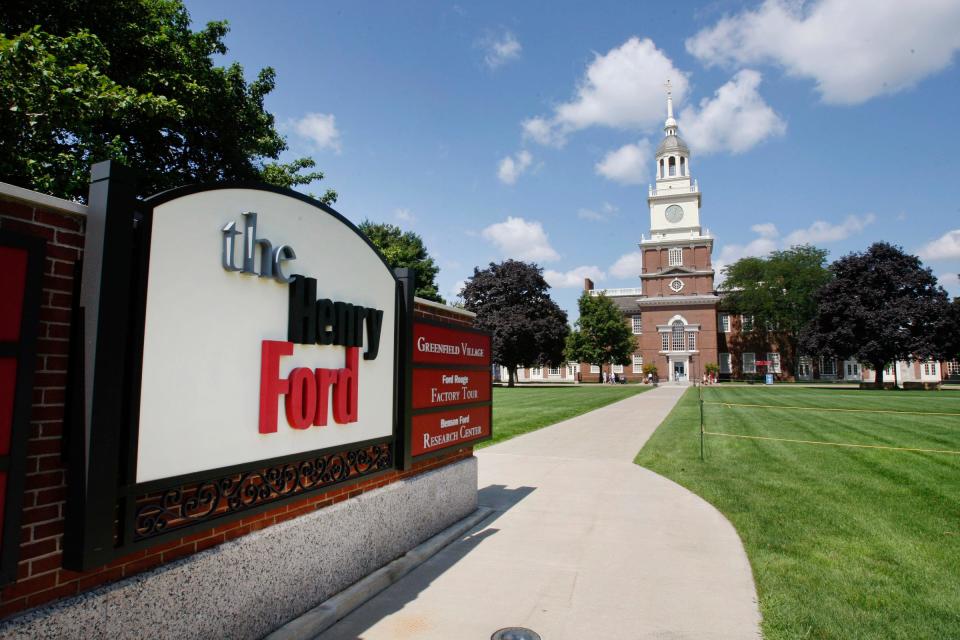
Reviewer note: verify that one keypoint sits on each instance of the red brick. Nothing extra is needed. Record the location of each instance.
(44, 447)
(46, 563)
(100, 578)
(29, 586)
(51, 496)
(179, 552)
(47, 530)
(63, 268)
(52, 594)
(21, 226)
(53, 347)
(54, 396)
(236, 532)
(58, 330)
(12, 607)
(61, 316)
(41, 514)
(143, 564)
(70, 239)
(56, 363)
(210, 542)
(59, 220)
(60, 253)
(36, 549)
(16, 210)
(49, 463)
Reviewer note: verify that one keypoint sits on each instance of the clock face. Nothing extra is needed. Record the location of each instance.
(674, 213)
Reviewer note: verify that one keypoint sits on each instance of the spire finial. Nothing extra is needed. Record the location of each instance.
(669, 86)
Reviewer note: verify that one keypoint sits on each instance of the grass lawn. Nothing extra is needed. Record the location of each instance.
(844, 542)
(522, 409)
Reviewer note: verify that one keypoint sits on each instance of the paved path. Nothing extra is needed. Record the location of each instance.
(584, 544)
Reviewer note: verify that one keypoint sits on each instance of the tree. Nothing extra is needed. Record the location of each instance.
(600, 336)
(405, 249)
(882, 305)
(512, 301)
(951, 334)
(128, 80)
(779, 292)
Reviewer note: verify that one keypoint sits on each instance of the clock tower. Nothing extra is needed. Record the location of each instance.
(678, 305)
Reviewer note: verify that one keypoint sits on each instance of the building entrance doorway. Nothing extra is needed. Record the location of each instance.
(679, 371)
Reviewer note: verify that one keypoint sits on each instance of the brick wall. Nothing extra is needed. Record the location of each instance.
(41, 578)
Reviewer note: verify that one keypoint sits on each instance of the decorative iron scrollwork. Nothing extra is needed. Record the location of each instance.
(211, 499)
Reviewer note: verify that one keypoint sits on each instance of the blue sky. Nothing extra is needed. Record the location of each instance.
(527, 130)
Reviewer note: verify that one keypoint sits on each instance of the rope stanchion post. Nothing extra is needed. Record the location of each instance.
(701, 424)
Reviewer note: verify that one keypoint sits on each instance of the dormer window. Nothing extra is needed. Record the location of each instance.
(676, 257)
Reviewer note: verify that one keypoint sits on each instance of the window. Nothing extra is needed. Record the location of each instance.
(594, 368)
(746, 323)
(683, 166)
(637, 363)
(953, 368)
(852, 369)
(535, 372)
(618, 368)
(749, 363)
(672, 164)
(553, 371)
(774, 359)
(675, 256)
(805, 367)
(929, 368)
(637, 323)
(676, 285)
(724, 363)
(664, 341)
(888, 370)
(678, 343)
(691, 341)
(724, 323)
(572, 369)
(828, 366)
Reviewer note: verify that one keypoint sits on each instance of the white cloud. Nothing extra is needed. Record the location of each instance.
(320, 129)
(520, 239)
(622, 88)
(629, 265)
(512, 167)
(853, 49)
(950, 282)
(769, 238)
(822, 231)
(946, 247)
(628, 164)
(573, 279)
(500, 49)
(404, 215)
(735, 119)
(457, 288)
(605, 212)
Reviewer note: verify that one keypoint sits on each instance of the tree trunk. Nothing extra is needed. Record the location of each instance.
(600, 375)
(511, 372)
(878, 375)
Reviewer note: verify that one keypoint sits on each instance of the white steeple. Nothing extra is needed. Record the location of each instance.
(670, 126)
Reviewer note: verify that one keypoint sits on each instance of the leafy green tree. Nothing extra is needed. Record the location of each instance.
(512, 301)
(600, 336)
(882, 305)
(779, 292)
(128, 80)
(405, 249)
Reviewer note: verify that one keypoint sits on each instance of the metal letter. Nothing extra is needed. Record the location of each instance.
(229, 241)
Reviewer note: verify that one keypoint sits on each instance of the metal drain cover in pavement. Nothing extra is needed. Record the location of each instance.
(515, 633)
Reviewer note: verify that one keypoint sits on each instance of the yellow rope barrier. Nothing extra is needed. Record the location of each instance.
(776, 406)
(832, 444)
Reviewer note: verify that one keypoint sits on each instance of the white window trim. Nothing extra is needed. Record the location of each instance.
(636, 324)
(675, 256)
(753, 362)
(774, 368)
(637, 363)
(594, 368)
(724, 323)
(744, 322)
(618, 368)
(724, 363)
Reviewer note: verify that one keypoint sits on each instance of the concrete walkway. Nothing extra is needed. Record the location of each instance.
(583, 544)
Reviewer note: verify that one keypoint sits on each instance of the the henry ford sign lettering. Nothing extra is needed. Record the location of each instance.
(444, 344)
(456, 427)
(445, 387)
(269, 331)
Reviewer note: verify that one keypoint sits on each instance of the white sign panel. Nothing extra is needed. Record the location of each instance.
(245, 357)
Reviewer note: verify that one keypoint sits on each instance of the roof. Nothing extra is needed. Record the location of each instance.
(673, 144)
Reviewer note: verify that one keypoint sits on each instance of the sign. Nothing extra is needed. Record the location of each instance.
(447, 344)
(456, 427)
(268, 332)
(446, 387)
(763, 363)
(452, 387)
